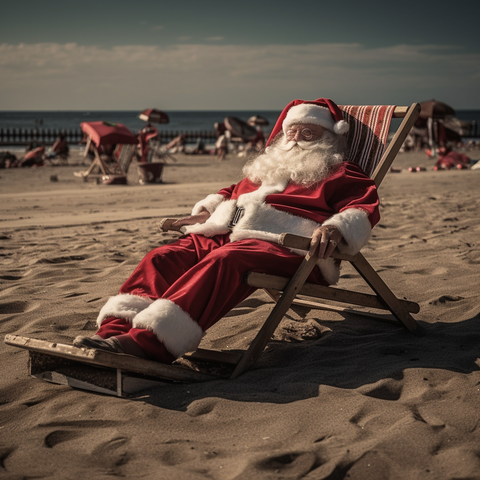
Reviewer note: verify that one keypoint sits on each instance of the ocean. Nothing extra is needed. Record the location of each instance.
(179, 120)
(184, 121)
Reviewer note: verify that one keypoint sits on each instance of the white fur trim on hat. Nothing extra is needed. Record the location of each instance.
(124, 306)
(171, 325)
(315, 114)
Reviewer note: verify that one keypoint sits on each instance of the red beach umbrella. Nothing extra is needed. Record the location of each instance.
(154, 115)
(107, 133)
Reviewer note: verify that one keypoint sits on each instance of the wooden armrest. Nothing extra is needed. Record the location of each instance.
(291, 240)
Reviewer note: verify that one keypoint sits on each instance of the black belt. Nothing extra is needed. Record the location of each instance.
(237, 215)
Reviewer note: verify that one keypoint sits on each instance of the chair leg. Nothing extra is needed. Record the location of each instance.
(260, 341)
(384, 293)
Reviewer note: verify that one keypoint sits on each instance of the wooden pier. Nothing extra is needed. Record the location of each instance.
(22, 137)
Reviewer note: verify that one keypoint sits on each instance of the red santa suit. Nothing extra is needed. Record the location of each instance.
(179, 290)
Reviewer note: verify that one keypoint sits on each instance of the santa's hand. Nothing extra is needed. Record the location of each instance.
(201, 217)
(324, 241)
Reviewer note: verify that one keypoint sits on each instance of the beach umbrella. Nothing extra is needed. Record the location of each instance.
(108, 133)
(435, 109)
(460, 127)
(154, 115)
(240, 128)
(258, 120)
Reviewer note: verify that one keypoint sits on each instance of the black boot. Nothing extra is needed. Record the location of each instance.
(119, 344)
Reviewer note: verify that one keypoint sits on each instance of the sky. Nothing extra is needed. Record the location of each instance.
(219, 55)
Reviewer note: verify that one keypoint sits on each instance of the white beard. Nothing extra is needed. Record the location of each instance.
(303, 163)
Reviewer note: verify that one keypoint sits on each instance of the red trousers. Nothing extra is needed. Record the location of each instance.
(204, 277)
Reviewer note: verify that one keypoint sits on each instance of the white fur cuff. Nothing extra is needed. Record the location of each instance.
(210, 203)
(123, 306)
(355, 227)
(172, 326)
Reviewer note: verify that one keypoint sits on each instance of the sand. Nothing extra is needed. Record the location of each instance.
(334, 396)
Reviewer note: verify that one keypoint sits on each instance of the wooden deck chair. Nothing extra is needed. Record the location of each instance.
(369, 127)
(158, 152)
(123, 374)
(123, 153)
(367, 138)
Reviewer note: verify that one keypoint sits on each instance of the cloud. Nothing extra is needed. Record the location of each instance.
(188, 76)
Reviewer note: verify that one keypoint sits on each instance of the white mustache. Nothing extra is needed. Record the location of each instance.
(304, 145)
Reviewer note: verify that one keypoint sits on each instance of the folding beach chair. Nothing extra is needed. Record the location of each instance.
(367, 144)
(106, 133)
(158, 152)
(367, 137)
(123, 155)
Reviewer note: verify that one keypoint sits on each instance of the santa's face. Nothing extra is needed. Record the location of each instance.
(305, 158)
(307, 132)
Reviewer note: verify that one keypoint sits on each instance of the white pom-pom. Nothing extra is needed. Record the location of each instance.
(341, 127)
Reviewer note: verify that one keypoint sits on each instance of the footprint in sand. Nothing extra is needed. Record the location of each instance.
(73, 295)
(13, 307)
(66, 259)
(60, 436)
(388, 389)
(201, 407)
(446, 298)
(10, 277)
(286, 465)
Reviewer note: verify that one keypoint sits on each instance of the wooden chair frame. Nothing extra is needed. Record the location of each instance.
(157, 152)
(383, 298)
(283, 290)
(125, 156)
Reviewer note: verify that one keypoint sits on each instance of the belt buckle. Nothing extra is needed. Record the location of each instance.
(237, 215)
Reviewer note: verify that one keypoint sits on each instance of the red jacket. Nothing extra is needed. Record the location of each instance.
(347, 198)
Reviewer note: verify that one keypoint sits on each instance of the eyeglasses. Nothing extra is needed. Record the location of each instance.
(306, 133)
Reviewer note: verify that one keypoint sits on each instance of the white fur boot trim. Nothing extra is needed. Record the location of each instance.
(355, 227)
(124, 306)
(172, 326)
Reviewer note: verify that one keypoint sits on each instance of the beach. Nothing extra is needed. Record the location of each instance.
(333, 396)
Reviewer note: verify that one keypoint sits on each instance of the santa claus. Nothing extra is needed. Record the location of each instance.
(300, 184)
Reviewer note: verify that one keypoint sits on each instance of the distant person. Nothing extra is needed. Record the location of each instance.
(144, 136)
(6, 159)
(449, 159)
(258, 142)
(107, 152)
(221, 145)
(59, 148)
(177, 145)
(220, 128)
(33, 158)
(32, 145)
(199, 148)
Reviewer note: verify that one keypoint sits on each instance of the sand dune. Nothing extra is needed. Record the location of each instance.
(334, 396)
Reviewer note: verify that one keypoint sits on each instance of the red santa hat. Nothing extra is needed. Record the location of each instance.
(321, 111)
